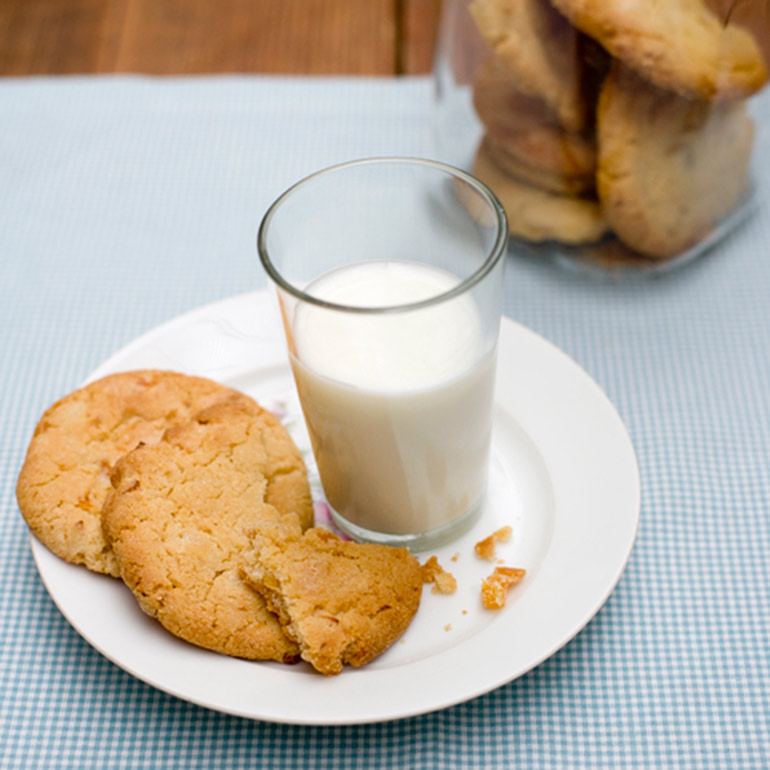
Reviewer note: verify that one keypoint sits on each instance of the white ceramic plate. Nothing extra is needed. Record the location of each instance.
(564, 475)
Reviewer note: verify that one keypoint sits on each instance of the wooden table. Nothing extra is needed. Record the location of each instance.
(185, 37)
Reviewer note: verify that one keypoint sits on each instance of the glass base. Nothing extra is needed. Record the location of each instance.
(418, 541)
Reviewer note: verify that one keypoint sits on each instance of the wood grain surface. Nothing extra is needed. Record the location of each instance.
(185, 37)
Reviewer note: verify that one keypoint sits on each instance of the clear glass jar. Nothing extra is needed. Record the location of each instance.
(619, 137)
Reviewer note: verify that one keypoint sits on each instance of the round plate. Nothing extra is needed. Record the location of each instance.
(563, 474)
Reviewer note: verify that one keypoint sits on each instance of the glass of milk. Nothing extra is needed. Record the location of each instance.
(388, 274)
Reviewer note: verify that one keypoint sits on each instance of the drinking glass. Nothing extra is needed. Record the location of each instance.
(388, 274)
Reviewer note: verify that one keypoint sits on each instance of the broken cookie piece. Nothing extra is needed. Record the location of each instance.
(494, 589)
(341, 602)
(443, 582)
(486, 548)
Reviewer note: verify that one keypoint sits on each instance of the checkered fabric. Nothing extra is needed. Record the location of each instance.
(126, 201)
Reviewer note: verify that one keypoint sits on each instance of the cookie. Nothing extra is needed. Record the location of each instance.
(65, 477)
(541, 50)
(670, 168)
(342, 602)
(678, 45)
(552, 181)
(752, 16)
(526, 138)
(180, 517)
(537, 215)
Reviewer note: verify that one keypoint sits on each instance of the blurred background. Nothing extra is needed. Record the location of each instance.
(189, 37)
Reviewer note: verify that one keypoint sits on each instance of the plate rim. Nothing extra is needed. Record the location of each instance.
(508, 327)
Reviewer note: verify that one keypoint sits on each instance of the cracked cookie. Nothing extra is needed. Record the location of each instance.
(65, 476)
(341, 602)
(179, 519)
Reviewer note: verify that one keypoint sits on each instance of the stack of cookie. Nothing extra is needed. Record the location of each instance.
(198, 499)
(615, 116)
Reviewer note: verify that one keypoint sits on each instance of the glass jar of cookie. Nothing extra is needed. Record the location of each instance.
(619, 135)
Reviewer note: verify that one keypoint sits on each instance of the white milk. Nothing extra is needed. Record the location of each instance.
(398, 405)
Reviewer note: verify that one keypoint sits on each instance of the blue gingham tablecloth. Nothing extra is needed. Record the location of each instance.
(126, 201)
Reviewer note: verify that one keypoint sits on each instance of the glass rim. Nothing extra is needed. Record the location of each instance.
(495, 253)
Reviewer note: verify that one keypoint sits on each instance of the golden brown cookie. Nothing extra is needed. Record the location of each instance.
(538, 215)
(752, 16)
(678, 45)
(526, 138)
(65, 477)
(541, 50)
(552, 181)
(342, 602)
(180, 517)
(670, 168)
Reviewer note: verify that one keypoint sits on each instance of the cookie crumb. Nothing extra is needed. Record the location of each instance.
(443, 582)
(494, 589)
(486, 548)
(448, 627)
(465, 612)
(456, 556)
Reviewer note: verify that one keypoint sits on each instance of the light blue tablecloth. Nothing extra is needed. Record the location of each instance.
(124, 202)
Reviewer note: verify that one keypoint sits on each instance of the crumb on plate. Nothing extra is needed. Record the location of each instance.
(443, 582)
(494, 589)
(486, 548)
